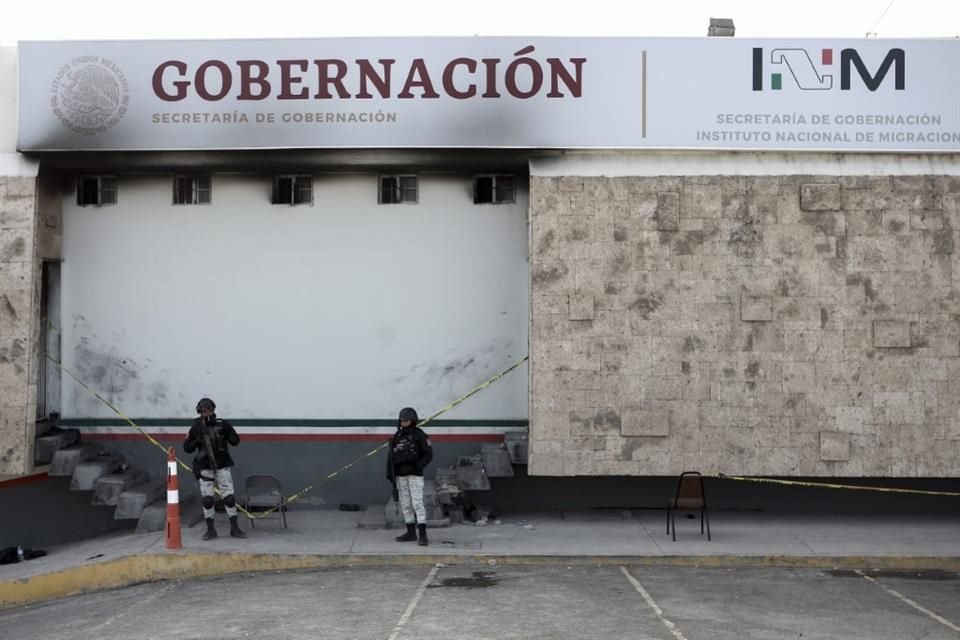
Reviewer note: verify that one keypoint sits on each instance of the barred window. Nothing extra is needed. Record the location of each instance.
(95, 191)
(191, 189)
(493, 189)
(293, 190)
(398, 190)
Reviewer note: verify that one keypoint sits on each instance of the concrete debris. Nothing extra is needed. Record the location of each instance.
(471, 474)
(496, 461)
(518, 447)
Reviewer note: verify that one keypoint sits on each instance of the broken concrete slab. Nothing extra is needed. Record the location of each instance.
(471, 475)
(132, 502)
(154, 516)
(65, 461)
(518, 446)
(445, 481)
(89, 471)
(47, 445)
(496, 461)
(107, 489)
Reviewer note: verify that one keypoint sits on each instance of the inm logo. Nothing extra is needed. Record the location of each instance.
(808, 75)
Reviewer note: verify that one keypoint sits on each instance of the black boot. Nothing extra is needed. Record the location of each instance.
(422, 528)
(410, 535)
(211, 532)
(235, 528)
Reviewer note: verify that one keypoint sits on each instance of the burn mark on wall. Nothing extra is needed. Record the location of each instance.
(117, 377)
(458, 366)
(104, 370)
(157, 392)
(450, 377)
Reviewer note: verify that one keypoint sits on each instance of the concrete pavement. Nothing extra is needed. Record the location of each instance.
(328, 538)
(528, 602)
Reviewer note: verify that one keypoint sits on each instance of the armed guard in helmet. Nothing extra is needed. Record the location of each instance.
(410, 452)
(209, 438)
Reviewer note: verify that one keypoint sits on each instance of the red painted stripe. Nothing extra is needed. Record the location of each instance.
(12, 482)
(307, 437)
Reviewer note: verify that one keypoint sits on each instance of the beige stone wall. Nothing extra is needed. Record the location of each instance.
(798, 325)
(17, 323)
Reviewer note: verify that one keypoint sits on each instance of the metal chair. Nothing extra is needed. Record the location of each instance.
(264, 492)
(689, 497)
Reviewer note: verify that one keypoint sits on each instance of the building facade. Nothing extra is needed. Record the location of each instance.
(750, 274)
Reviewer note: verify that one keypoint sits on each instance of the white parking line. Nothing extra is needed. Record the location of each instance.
(413, 603)
(910, 602)
(653, 605)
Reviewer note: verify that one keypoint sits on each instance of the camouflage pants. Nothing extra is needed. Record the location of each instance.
(410, 489)
(224, 484)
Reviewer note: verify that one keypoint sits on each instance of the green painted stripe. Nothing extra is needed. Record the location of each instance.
(283, 422)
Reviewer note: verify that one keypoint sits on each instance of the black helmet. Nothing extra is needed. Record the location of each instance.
(408, 413)
(206, 403)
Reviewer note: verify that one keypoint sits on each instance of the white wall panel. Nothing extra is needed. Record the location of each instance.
(343, 309)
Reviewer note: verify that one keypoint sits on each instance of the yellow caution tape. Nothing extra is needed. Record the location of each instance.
(116, 411)
(461, 399)
(133, 424)
(452, 405)
(833, 485)
(310, 487)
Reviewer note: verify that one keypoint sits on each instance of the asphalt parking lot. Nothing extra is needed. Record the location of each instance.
(491, 601)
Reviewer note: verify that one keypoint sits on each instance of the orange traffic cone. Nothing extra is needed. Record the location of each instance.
(173, 503)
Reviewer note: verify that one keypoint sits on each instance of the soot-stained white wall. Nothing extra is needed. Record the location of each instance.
(342, 309)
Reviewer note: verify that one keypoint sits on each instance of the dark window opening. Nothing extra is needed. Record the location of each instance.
(293, 190)
(494, 189)
(398, 190)
(94, 191)
(191, 189)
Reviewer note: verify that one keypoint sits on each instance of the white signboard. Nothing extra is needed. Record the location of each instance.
(697, 93)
